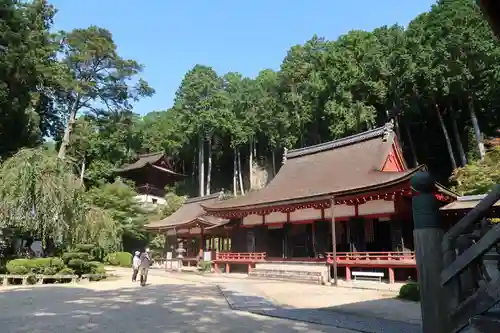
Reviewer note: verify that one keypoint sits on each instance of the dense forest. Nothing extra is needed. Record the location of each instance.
(67, 110)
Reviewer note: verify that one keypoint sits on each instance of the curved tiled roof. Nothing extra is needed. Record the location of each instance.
(338, 167)
(191, 211)
(147, 159)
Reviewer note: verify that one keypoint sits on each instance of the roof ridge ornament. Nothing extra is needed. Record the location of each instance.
(388, 130)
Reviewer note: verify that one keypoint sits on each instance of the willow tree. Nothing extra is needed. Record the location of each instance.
(41, 196)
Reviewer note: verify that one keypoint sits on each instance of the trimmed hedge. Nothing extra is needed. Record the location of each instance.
(122, 259)
(410, 292)
(48, 266)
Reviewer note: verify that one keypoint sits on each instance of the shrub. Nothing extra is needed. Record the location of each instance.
(205, 266)
(35, 266)
(68, 256)
(79, 266)
(410, 292)
(84, 248)
(97, 267)
(122, 259)
(66, 271)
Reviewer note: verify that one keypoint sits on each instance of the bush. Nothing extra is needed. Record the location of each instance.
(84, 248)
(35, 266)
(67, 257)
(122, 259)
(66, 271)
(79, 266)
(410, 292)
(205, 266)
(97, 267)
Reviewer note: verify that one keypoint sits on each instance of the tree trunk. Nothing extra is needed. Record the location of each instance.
(273, 154)
(82, 171)
(209, 166)
(201, 166)
(250, 164)
(67, 131)
(477, 130)
(235, 173)
(240, 174)
(446, 137)
(412, 145)
(456, 135)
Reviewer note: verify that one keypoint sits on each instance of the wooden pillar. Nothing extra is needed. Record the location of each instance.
(347, 273)
(334, 244)
(391, 275)
(428, 237)
(227, 268)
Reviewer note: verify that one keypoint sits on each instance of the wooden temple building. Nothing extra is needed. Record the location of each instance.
(362, 181)
(150, 173)
(192, 226)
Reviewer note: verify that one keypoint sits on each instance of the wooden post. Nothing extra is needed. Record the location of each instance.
(428, 237)
(334, 244)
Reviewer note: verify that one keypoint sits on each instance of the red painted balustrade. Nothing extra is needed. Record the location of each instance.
(374, 258)
(243, 257)
(248, 258)
(386, 260)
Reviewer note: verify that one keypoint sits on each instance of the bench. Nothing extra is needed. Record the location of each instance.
(368, 275)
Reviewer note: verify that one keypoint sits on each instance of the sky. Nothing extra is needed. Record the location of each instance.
(169, 37)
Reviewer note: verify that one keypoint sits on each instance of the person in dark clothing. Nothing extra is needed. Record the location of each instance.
(144, 266)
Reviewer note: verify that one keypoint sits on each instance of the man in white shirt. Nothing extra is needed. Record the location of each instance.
(136, 262)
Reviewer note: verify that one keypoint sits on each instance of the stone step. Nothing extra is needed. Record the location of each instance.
(287, 272)
(287, 275)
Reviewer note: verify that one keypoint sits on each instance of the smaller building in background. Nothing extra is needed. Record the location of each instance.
(194, 228)
(151, 173)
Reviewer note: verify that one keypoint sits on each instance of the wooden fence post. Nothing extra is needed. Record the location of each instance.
(428, 236)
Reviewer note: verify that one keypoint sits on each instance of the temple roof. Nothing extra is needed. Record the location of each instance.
(341, 167)
(149, 159)
(191, 212)
(467, 202)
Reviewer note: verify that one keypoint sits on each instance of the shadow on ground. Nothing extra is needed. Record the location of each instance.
(346, 316)
(154, 308)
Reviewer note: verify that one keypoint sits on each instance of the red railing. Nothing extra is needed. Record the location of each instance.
(371, 256)
(244, 257)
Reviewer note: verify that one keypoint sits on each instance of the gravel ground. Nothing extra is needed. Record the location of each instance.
(164, 305)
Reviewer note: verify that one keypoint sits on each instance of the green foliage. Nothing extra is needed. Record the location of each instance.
(67, 257)
(118, 201)
(47, 266)
(122, 259)
(29, 74)
(40, 195)
(66, 271)
(205, 266)
(410, 292)
(478, 177)
(79, 266)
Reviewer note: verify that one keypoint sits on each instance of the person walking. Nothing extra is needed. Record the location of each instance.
(144, 266)
(136, 262)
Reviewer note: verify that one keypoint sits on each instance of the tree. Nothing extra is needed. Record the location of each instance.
(118, 201)
(478, 177)
(97, 80)
(41, 196)
(28, 74)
